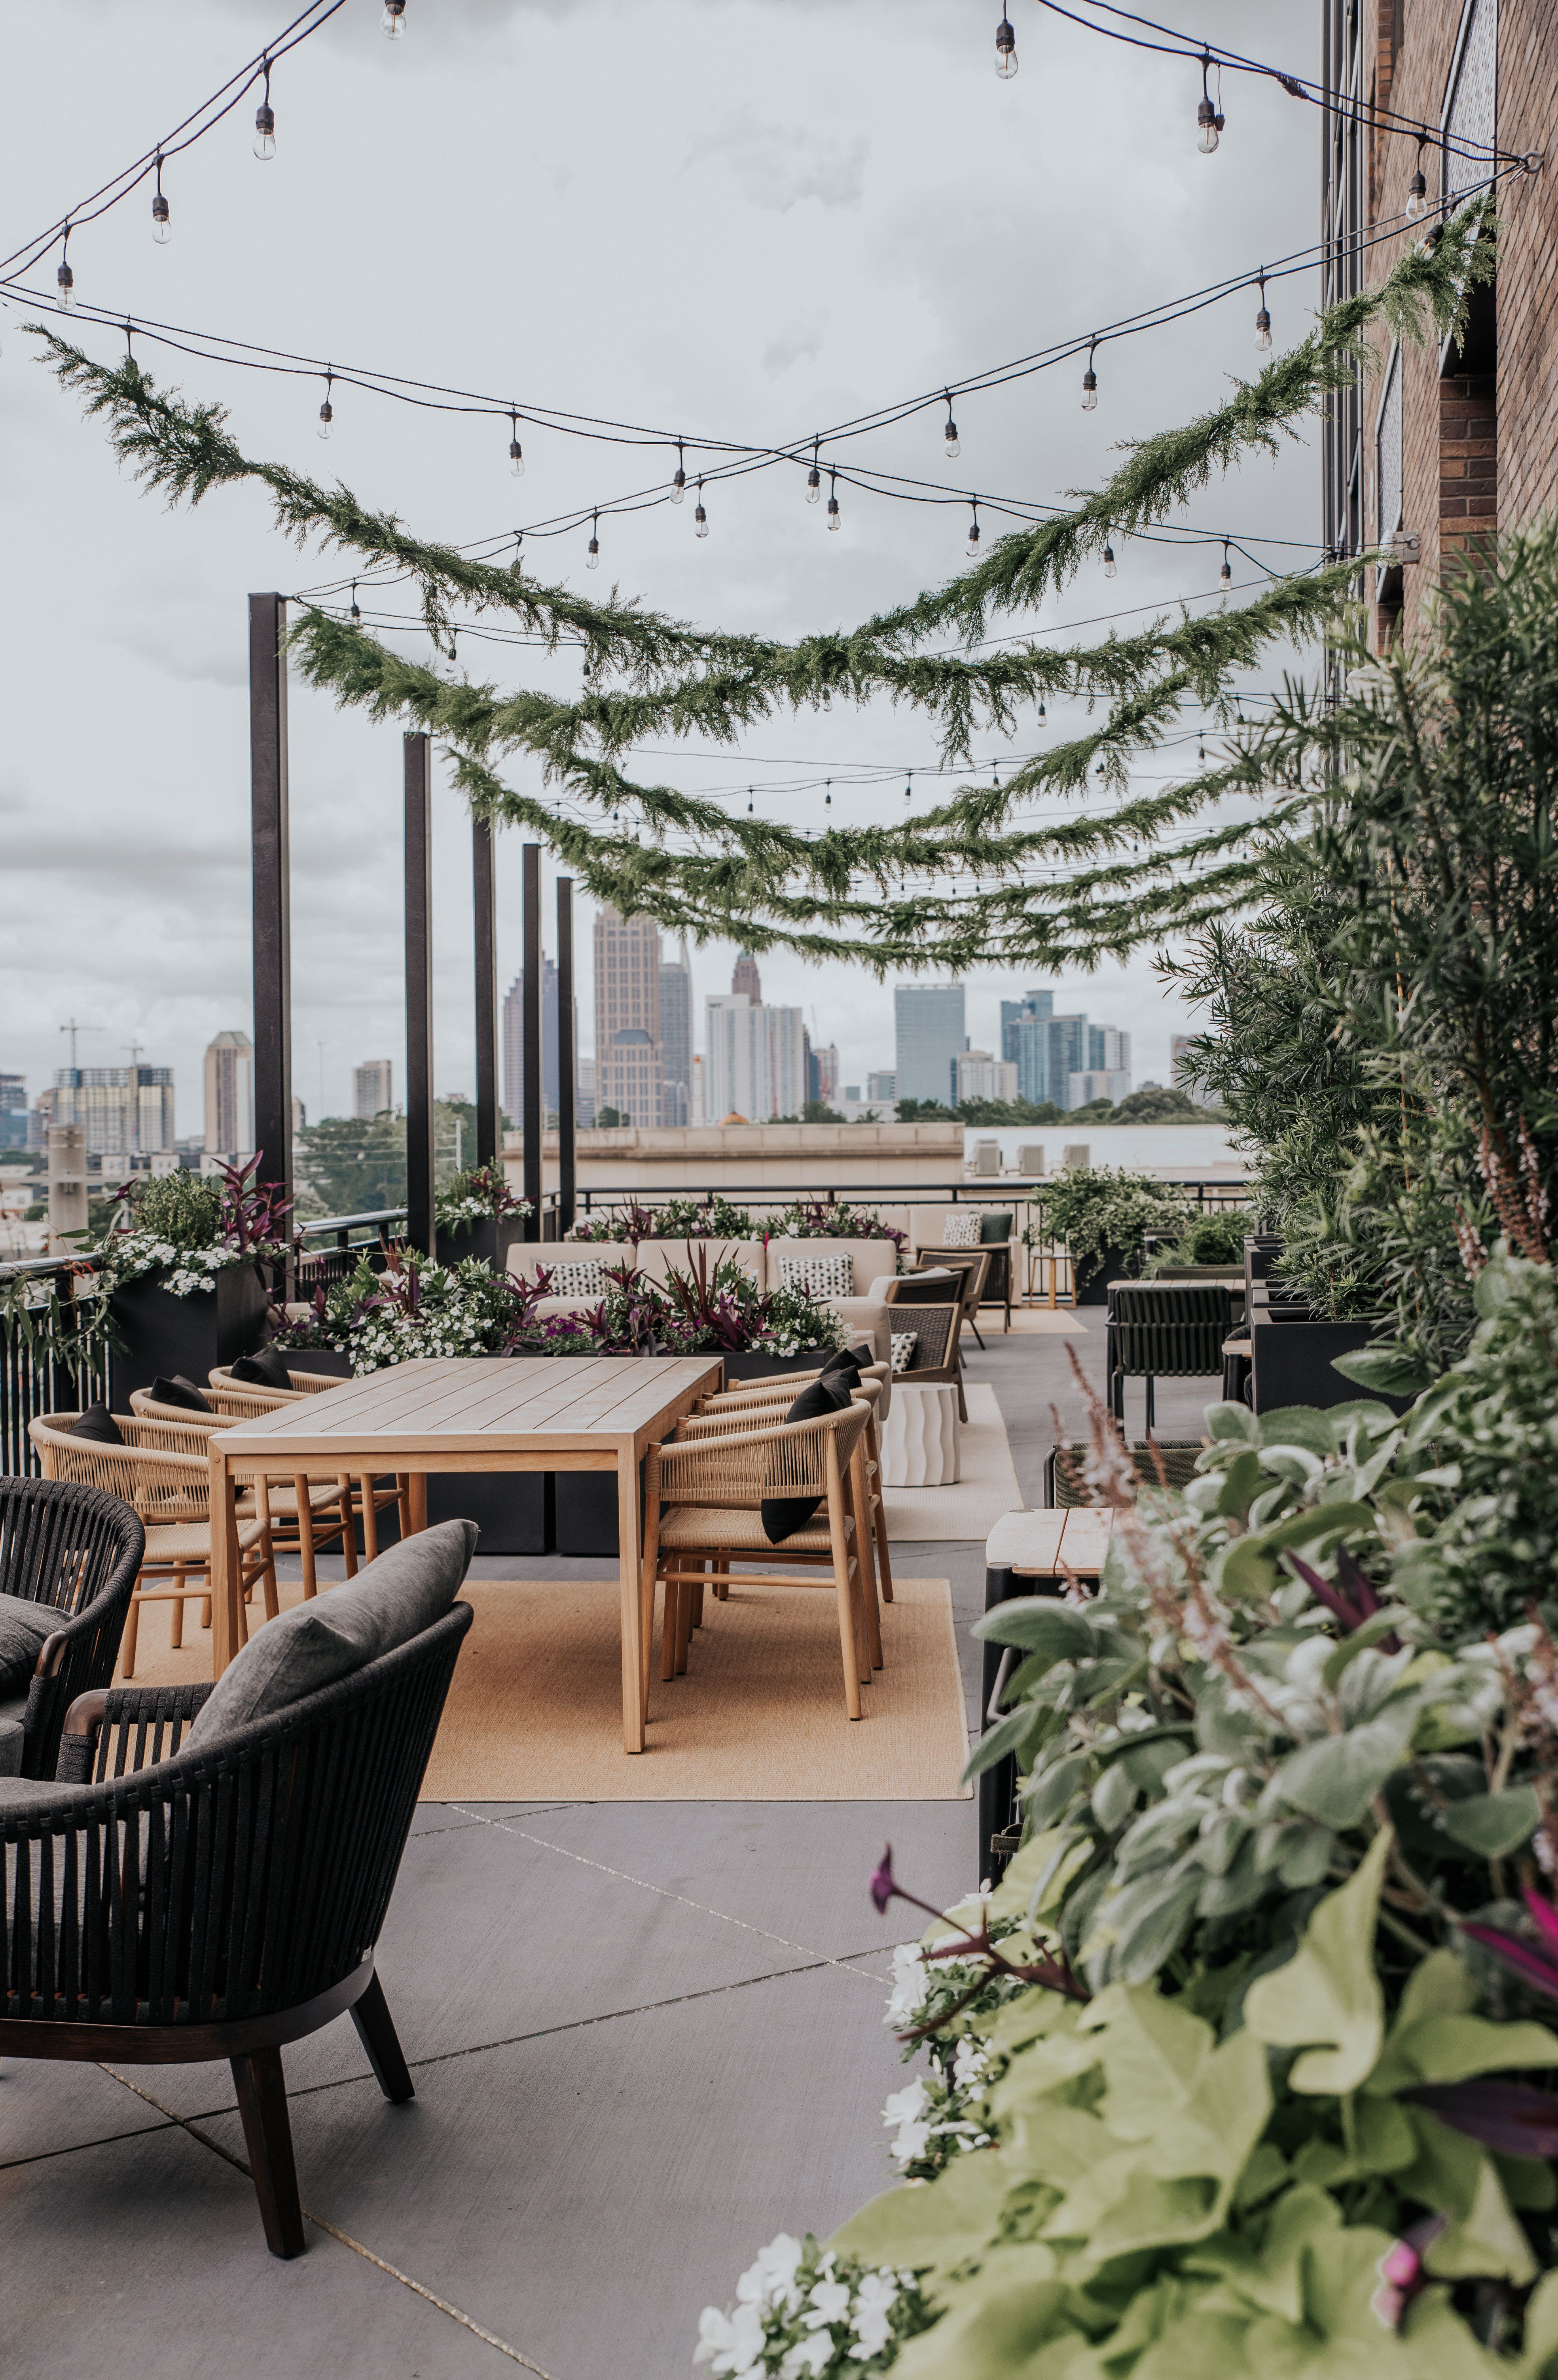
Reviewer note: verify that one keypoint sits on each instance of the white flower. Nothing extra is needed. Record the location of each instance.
(875, 2296)
(910, 1982)
(808, 2355)
(829, 2301)
(770, 2281)
(730, 2343)
(969, 2066)
(906, 2107)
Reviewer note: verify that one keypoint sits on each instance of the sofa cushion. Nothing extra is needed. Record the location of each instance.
(180, 1391)
(783, 1515)
(266, 1368)
(824, 1276)
(23, 1626)
(98, 1425)
(960, 1231)
(394, 1599)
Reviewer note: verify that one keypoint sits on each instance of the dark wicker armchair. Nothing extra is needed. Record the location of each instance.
(162, 1905)
(79, 1550)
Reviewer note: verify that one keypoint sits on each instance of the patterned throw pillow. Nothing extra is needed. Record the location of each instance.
(903, 1344)
(831, 1276)
(585, 1278)
(960, 1231)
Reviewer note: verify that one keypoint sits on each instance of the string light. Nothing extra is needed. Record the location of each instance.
(827, 793)
(832, 499)
(1041, 714)
(1200, 748)
(678, 477)
(1225, 573)
(1263, 321)
(973, 545)
(813, 476)
(1089, 379)
(516, 452)
(953, 448)
(65, 278)
(748, 801)
(326, 411)
(592, 555)
(1416, 189)
(700, 519)
(392, 24)
(908, 787)
(356, 614)
(1207, 116)
(1005, 49)
(161, 227)
(1109, 562)
(265, 122)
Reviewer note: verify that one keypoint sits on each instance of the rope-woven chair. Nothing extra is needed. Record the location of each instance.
(220, 1900)
(703, 1498)
(1169, 1332)
(79, 1552)
(163, 1472)
(304, 1384)
(723, 1412)
(306, 1515)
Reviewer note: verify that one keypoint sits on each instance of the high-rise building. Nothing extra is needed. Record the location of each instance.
(229, 1096)
(373, 1088)
(1179, 1052)
(13, 1112)
(882, 1085)
(1014, 1013)
(125, 1110)
(744, 978)
(930, 1035)
(586, 1114)
(1096, 1083)
(824, 1072)
(1109, 1052)
(756, 1060)
(676, 1037)
(513, 1044)
(981, 1076)
(627, 1058)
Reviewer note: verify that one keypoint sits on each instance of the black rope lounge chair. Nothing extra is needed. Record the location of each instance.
(74, 1552)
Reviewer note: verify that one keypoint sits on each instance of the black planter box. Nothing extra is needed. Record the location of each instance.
(1292, 1365)
(167, 1334)
(490, 1240)
(1090, 1281)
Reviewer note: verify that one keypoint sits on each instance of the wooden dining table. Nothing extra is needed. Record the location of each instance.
(469, 1413)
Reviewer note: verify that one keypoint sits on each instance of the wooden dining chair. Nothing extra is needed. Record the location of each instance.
(307, 1516)
(364, 1498)
(866, 1461)
(703, 1498)
(163, 1472)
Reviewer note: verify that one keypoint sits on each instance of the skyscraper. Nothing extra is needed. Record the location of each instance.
(1014, 1012)
(744, 978)
(931, 1034)
(229, 1096)
(676, 1037)
(756, 1059)
(627, 1059)
(373, 1088)
(514, 1045)
(13, 1112)
(125, 1110)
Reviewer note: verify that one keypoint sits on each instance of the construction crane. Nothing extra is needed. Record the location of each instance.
(73, 1029)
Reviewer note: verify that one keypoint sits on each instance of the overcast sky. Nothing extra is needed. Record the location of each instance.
(730, 217)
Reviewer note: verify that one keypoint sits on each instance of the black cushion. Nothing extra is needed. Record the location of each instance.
(23, 1626)
(783, 1515)
(994, 1230)
(98, 1424)
(316, 1643)
(180, 1391)
(858, 1356)
(266, 1369)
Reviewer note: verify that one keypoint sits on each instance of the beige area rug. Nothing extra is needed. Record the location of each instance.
(535, 1711)
(1063, 1320)
(988, 1488)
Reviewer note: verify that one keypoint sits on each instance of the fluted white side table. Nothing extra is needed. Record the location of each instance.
(920, 1438)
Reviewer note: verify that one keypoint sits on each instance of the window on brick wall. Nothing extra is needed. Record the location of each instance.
(1472, 103)
(1387, 451)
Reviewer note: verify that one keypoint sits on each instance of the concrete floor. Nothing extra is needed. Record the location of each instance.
(645, 2036)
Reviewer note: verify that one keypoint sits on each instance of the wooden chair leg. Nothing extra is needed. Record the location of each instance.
(860, 1497)
(175, 1626)
(844, 1583)
(668, 1626)
(369, 1522)
(403, 1502)
(878, 1513)
(300, 1488)
(348, 1531)
(375, 2030)
(722, 1561)
(268, 2138)
(684, 1620)
(697, 1603)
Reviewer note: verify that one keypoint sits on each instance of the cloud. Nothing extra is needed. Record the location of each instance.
(778, 165)
(798, 344)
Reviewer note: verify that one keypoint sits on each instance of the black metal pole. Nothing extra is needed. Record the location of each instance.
(532, 1028)
(567, 1077)
(419, 995)
(489, 1132)
(272, 895)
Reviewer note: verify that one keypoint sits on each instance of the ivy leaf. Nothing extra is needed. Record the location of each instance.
(1326, 2000)
(1040, 1624)
(1452, 2047)
(1493, 1823)
(939, 2223)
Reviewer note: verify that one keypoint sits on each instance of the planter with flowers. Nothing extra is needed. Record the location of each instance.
(813, 1218)
(478, 1215)
(187, 1271)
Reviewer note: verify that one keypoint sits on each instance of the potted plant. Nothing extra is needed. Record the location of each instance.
(1103, 1215)
(478, 1215)
(716, 1217)
(187, 1271)
(813, 1218)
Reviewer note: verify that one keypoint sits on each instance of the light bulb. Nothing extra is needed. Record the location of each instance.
(1206, 116)
(813, 484)
(700, 519)
(264, 130)
(1089, 390)
(678, 482)
(1005, 50)
(161, 227)
(1041, 714)
(357, 607)
(326, 416)
(1109, 562)
(1263, 331)
(1225, 573)
(827, 793)
(833, 512)
(953, 448)
(592, 557)
(1417, 198)
(392, 24)
(1200, 751)
(515, 459)
(66, 281)
(973, 545)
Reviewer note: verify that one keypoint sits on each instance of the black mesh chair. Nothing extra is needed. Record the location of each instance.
(1173, 1330)
(79, 1550)
(176, 1902)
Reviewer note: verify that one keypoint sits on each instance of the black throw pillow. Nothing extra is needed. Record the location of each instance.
(267, 1369)
(859, 1356)
(783, 1515)
(98, 1424)
(180, 1391)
